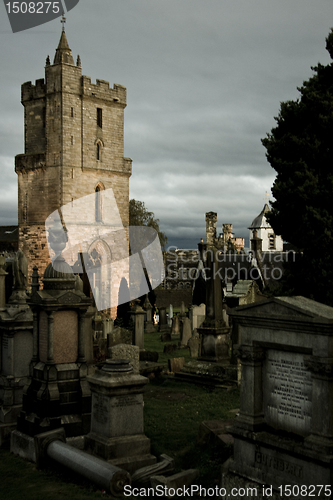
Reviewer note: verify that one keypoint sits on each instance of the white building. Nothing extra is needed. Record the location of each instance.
(260, 229)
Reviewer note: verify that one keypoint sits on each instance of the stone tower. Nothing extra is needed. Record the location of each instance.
(74, 146)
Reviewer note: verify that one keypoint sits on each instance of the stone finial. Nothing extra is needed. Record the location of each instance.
(78, 61)
(48, 61)
(35, 280)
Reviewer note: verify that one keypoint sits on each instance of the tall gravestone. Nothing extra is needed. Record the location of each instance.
(214, 333)
(163, 323)
(58, 394)
(117, 426)
(284, 432)
(149, 323)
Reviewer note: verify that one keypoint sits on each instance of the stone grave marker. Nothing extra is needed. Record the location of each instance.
(175, 326)
(186, 332)
(284, 432)
(117, 426)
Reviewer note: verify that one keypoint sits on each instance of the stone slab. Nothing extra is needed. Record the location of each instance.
(134, 463)
(287, 396)
(23, 446)
(176, 364)
(117, 447)
(210, 429)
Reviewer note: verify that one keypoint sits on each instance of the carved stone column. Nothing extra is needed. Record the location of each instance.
(251, 415)
(321, 437)
(50, 324)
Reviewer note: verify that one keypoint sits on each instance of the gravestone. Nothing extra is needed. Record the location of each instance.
(214, 333)
(58, 394)
(194, 344)
(149, 323)
(186, 332)
(163, 324)
(117, 427)
(284, 431)
(170, 315)
(197, 315)
(175, 326)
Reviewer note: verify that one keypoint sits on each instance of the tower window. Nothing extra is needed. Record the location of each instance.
(98, 151)
(99, 117)
(271, 241)
(72, 112)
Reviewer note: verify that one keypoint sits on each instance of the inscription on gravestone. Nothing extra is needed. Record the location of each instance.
(287, 391)
(128, 400)
(100, 408)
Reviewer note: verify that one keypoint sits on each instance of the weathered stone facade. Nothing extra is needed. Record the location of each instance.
(226, 241)
(74, 146)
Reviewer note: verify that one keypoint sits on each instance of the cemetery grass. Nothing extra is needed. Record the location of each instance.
(173, 412)
(153, 342)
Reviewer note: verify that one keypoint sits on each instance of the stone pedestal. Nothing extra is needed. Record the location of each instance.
(214, 334)
(214, 344)
(138, 315)
(117, 430)
(284, 432)
(149, 323)
(58, 394)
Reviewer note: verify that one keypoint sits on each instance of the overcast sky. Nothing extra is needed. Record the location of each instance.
(204, 80)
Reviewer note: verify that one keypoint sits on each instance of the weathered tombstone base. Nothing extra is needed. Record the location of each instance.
(117, 430)
(127, 452)
(214, 344)
(275, 461)
(283, 435)
(209, 372)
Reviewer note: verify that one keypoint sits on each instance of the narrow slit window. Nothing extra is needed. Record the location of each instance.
(99, 117)
(98, 204)
(98, 151)
(72, 112)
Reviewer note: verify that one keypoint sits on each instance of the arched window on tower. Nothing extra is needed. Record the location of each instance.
(98, 204)
(98, 151)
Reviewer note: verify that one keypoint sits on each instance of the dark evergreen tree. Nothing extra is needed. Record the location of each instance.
(140, 216)
(300, 149)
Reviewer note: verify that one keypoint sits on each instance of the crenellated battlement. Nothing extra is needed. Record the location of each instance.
(30, 92)
(102, 90)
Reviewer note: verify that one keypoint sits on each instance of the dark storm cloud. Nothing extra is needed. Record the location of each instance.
(204, 82)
